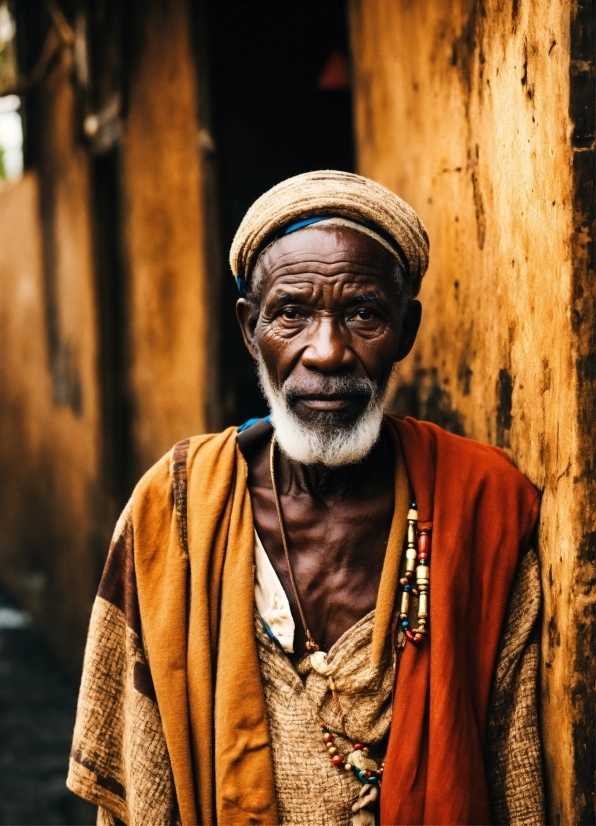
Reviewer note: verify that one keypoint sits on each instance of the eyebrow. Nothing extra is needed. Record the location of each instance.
(370, 297)
(285, 298)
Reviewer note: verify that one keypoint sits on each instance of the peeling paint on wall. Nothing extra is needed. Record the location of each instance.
(480, 113)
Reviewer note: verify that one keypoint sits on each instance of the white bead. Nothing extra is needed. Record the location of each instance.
(405, 602)
(318, 660)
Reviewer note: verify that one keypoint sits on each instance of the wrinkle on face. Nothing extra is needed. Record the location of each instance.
(329, 304)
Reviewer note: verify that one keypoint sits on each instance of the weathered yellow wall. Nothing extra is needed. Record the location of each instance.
(463, 108)
(51, 539)
(162, 180)
(56, 510)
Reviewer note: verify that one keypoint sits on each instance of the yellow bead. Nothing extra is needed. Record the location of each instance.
(332, 750)
(348, 767)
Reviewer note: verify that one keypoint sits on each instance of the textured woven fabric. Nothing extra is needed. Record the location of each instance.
(119, 759)
(310, 789)
(513, 754)
(330, 192)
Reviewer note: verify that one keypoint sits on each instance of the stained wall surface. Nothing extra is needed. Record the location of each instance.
(57, 504)
(164, 237)
(52, 541)
(480, 115)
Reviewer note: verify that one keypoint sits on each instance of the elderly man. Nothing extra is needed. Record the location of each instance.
(325, 616)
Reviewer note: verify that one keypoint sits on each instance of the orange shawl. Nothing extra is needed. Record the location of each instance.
(195, 596)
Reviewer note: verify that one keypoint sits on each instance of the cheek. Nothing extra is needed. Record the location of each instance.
(378, 353)
(277, 352)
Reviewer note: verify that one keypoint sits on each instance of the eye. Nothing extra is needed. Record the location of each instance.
(290, 313)
(364, 314)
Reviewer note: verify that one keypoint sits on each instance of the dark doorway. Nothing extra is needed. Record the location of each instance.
(281, 105)
(110, 292)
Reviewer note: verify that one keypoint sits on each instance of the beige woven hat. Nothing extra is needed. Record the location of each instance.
(330, 193)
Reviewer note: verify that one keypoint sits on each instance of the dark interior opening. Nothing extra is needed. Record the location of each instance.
(281, 104)
(110, 291)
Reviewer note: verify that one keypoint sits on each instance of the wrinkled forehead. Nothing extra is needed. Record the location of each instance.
(320, 251)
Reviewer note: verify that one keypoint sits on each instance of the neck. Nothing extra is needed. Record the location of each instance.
(328, 484)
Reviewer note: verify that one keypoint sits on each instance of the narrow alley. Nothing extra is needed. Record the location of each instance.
(37, 710)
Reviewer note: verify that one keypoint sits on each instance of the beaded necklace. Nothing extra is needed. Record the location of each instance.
(417, 551)
(364, 768)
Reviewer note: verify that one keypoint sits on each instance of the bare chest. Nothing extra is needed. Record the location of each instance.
(336, 553)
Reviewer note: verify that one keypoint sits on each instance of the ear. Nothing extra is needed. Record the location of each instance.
(409, 329)
(247, 324)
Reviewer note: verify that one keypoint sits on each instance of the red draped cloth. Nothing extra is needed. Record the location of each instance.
(482, 512)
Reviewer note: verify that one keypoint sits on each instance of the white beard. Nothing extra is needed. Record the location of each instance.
(332, 447)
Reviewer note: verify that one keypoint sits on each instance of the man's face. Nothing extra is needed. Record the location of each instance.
(329, 327)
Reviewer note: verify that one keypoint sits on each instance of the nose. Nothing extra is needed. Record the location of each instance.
(328, 349)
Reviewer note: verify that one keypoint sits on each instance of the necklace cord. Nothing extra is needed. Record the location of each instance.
(311, 645)
(413, 555)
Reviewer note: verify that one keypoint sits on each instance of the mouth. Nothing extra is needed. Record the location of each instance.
(329, 409)
(330, 402)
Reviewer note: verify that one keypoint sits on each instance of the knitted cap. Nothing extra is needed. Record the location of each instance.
(330, 192)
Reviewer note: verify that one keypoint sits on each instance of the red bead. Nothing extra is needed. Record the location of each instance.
(404, 581)
(337, 760)
(369, 774)
(409, 635)
(424, 544)
(422, 556)
(327, 738)
(358, 746)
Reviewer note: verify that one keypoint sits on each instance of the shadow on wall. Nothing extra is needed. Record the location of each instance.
(426, 398)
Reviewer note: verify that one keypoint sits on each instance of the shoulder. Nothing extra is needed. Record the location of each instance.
(445, 444)
(466, 461)
(196, 454)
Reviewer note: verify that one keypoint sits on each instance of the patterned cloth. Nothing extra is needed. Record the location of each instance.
(129, 770)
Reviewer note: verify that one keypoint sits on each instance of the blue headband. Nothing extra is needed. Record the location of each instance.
(304, 222)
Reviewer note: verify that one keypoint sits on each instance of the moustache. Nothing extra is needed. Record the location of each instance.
(320, 385)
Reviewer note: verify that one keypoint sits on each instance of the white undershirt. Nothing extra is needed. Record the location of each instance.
(271, 599)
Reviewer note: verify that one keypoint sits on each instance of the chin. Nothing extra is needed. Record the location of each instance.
(333, 438)
(330, 446)
(325, 439)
